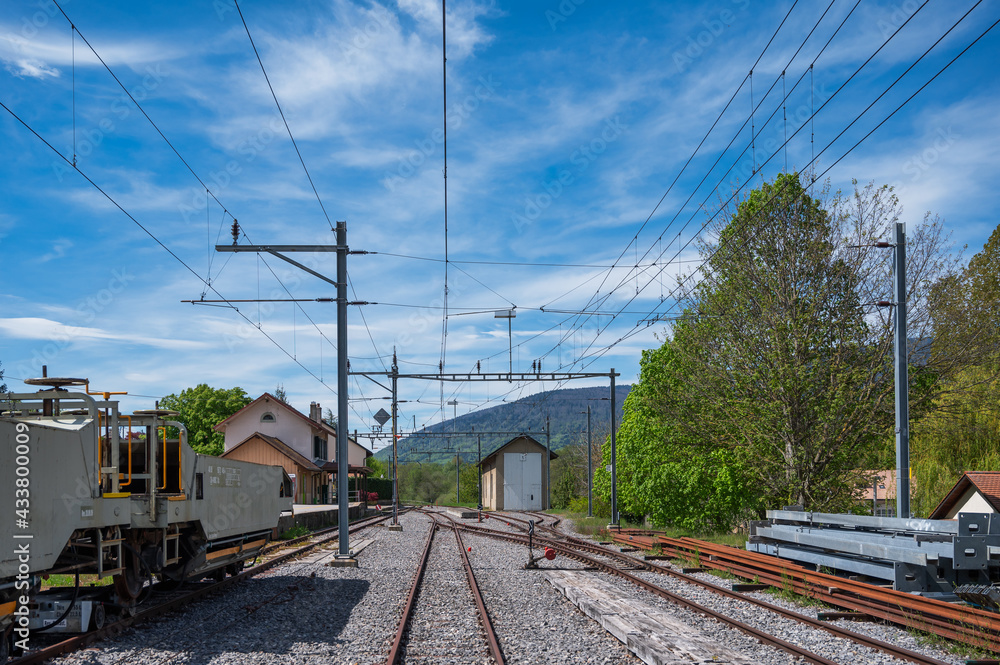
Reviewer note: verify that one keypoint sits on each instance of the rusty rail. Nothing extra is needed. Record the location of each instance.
(572, 550)
(411, 600)
(85, 639)
(968, 625)
(491, 635)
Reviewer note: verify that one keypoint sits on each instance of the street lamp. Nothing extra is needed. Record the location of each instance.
(508, 314)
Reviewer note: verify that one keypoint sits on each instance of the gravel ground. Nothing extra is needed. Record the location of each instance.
(819, 642)
(295, 613)
(306, 613)
(444, 628)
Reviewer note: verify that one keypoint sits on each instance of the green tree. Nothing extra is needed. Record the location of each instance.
(786, 368)
(424, 482)
(963, 432)
(202, 408)
(3, 386)
(658, 476)
(279, 393)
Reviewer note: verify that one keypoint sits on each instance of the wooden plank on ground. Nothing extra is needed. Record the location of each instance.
(654, 636)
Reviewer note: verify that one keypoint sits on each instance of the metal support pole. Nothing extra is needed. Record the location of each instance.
(395, 486)
(548, 455)
(458, 457)
(479, 463)
(614, 456)
(902, 380)
(344, 550)
(590, 468)
(510, 348)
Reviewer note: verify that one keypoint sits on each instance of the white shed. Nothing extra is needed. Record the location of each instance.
(513, 476)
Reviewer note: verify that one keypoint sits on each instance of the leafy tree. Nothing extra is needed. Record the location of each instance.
(786, 370)
(279, 393)
(202, 408)
(963, 432)
(424, 483)
(657, 474)
(3, 386)
(379, 468)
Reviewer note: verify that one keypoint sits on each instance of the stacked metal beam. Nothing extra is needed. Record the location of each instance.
(929, 557)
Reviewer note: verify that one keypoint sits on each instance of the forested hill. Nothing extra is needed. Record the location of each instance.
(566, 409)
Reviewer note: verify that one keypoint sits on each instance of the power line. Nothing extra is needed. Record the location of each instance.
(158, 241)
(282, 114)
(845, 154)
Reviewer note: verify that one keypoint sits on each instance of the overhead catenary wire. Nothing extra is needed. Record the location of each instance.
(208, 279)
(683, 247)
(808, 121)
(634, 331)
(282, 114)
(155, 239)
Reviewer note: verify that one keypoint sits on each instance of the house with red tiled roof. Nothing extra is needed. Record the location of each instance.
(881, 493)
(269, 431)
(975, 492)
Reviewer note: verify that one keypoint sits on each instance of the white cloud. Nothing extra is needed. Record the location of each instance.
(61, 334)
(31, 68)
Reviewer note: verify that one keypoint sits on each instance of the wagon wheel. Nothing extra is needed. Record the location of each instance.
(129, 582)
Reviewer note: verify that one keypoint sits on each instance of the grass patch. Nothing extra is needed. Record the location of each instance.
(295, 532)
(787, 592)
(70, 581)
(592, 526)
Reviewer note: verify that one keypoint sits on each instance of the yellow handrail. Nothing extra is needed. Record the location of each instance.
(128, 440)
(164, 449)
(107, 395)
(180, 469)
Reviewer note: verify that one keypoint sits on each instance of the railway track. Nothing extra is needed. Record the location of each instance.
(435, 624)
(627, 567)
(279, 553)
(977, 628)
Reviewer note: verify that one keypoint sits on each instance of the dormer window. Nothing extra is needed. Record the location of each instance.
(268, 418)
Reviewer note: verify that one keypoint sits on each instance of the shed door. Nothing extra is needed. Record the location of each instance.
(522, 481)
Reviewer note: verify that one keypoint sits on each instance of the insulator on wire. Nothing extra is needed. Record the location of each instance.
(236, 231)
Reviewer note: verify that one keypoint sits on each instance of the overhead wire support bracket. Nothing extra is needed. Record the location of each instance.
(493, 376)
(276, 250)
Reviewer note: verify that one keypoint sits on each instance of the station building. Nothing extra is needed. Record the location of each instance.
(269, 431)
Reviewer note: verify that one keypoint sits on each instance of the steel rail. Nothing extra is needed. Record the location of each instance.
(85, 639)
(970, 626)
(568, 550)
(491, 635)
(411, 600)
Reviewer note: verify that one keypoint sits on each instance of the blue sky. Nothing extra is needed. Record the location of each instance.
(567, 122)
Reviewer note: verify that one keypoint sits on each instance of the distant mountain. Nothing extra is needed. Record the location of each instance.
(566, 410)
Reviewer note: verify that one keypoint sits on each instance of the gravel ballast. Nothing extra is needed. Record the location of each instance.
(307, 612)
